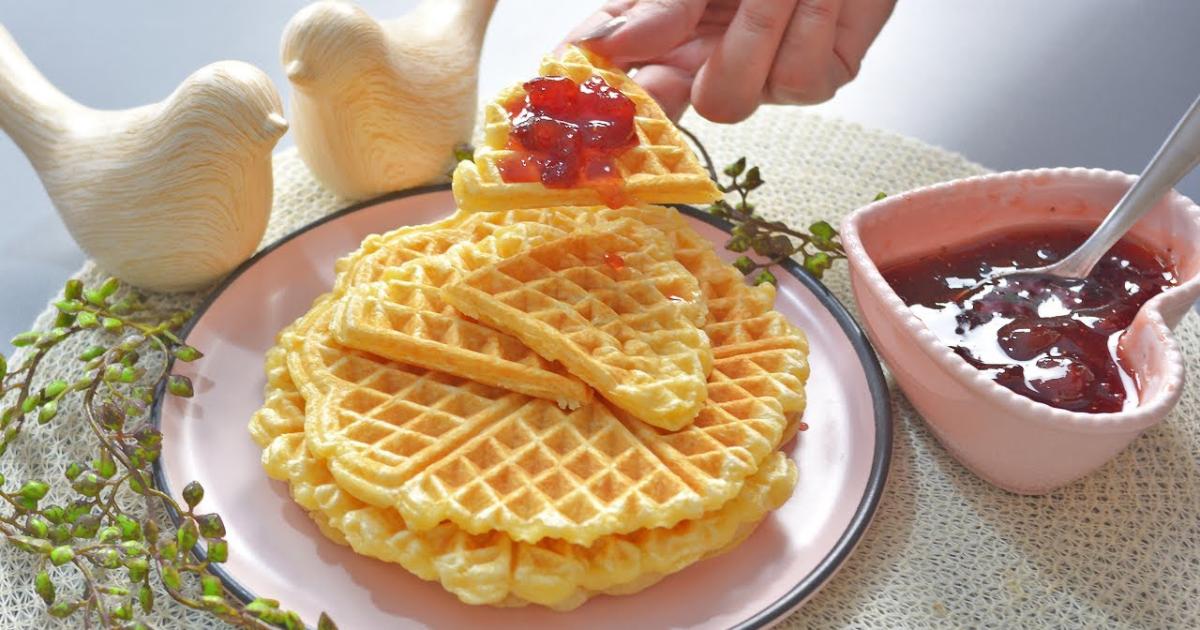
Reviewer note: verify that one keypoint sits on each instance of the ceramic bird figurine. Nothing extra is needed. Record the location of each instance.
(378, 106)
(168, 196)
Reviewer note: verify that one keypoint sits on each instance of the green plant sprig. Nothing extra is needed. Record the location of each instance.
(773, 240)
(119, 554)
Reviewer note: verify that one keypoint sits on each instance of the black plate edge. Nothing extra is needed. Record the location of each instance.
(880, 399)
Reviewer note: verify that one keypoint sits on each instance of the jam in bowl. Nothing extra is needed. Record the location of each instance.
(1050, 339)
(1029, 382)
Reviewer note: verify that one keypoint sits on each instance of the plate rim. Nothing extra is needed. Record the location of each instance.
(864, 513)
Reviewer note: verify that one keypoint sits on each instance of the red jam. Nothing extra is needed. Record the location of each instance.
(1052, 340)
(614, 260)
(567, 134)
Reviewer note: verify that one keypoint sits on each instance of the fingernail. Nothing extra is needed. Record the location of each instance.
(604, 30)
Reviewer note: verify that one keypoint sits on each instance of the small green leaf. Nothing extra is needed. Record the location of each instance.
(193, 494)
(3, 367)
(211, 586)
(109, 286)
(73, 289)
(145, 598)
(89, 484)
(111, 324)
(26, 339)
(124, 612)
(62, 609)
(211, 525)
(30, 545)
(56, 388)
(743, 264)
(31, 402)
(817, 263)
(87, 319)
(106, 467)
(325, 623)
(765, 277)
(133, 548)
(111, 416)
(109, 534)
(110, 558)
(34, 489)
(170, 577)
(44, 587)
(54, 514)
(180, 386)
(78, 509)
(61, 555)
(60, 534)
(69, 306)
(735, 169)
(86, 526)
(48, 412)
(74, 469)
(112, 373)
(130, 529)
(739, 243)
(218, 550)
(187, 354)
(753, 179)
(879, 196)
(188, 534)
(38, 527)
(138, 568)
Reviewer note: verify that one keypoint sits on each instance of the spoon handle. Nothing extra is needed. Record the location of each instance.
(1177, 156)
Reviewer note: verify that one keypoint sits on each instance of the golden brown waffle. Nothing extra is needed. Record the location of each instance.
(439, 448)
(404, 318)
(492, 568)
(610, 304)
(660, 169)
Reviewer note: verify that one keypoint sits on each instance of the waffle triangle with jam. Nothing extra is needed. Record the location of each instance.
(585, 152)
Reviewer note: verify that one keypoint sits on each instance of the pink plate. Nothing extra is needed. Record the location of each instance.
(277, 552)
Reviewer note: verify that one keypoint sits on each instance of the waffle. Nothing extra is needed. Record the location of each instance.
(661, 168)
(404, 318)
(611, 305)
(440, 448)
(492, 568)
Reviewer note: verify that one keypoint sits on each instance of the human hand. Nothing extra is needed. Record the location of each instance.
(726, 57)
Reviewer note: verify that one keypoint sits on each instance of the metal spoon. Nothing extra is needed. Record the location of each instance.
(1177, 156)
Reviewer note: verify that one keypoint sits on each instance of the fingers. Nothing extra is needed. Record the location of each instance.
(652, 28)
(730, 84)
(805, 69)
(668, 79)
(669, 85)
(859, 24)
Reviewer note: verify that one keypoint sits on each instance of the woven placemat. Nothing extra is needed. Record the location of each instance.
(1119, 548)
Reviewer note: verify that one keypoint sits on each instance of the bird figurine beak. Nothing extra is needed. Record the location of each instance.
(296, 72)
(276, 126)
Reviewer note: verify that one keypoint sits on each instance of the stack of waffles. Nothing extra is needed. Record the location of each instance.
(537, 405)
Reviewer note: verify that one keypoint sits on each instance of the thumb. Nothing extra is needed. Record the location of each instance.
(646, 30)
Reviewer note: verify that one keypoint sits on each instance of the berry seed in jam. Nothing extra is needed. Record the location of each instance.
(566, 134)
(1049, 339)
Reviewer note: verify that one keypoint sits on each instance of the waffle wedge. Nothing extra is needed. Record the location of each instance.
(492, 568)
(613, 306)
(661, 168)
(405, 318)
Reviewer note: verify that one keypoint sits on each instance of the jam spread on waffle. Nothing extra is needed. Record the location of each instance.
(614, 260)
(1049, 339)
(566, 135)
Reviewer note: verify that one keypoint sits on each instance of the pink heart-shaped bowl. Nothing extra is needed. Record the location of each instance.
(1007, 439)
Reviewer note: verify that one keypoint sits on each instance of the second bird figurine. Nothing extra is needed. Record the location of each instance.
(379, 106)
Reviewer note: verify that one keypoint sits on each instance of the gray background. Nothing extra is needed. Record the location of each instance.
(1015, 84)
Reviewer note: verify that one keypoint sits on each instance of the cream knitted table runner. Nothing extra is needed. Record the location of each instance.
(1120, 548)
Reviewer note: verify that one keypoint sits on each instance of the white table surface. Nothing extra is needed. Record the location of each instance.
(1024, 83)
